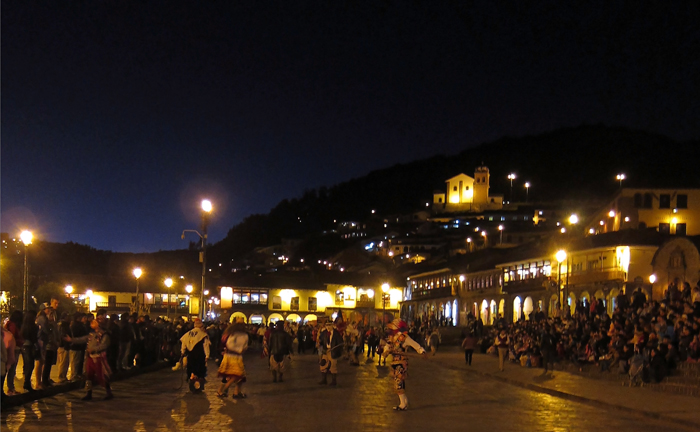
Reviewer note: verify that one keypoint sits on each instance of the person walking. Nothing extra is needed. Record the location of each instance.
(330, 345)
(280, 352)
(468, 345)
(547, 348)
(398, 343)
(97, 367)
(14, 324)
(502, 345)
(195, 345)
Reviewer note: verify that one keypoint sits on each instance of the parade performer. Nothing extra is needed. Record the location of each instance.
(398, 342)
(232, 368)
(98, 370)
(330, 344)
(195, 348)
(280, 351)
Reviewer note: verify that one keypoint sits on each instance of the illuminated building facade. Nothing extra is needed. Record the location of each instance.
(467, 194)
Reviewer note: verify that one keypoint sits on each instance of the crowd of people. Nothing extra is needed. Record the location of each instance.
(642, 339)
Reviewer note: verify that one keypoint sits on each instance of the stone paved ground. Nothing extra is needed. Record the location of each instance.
(443, 395)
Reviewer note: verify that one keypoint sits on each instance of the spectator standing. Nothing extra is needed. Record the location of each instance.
(77, 350)
(8, 356)
(62, 355)
(14, 324)
(468, 345)
(502, 346)
(30, 348)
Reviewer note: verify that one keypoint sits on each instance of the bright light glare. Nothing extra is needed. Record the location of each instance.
(137, 273)
(611, 213)
(168, 282)
(561, 256)
(68, 289)
(26, 237)
(652, 278)
(573, 219)
(189, 289)
(206, 205)
(385, 287)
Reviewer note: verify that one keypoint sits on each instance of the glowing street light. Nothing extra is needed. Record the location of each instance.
(511, 177)
(620, 177)
(527, 191)
(137, 274)
(168, 283)
(189, 289)
(500, 229)
(26, 237)
(68, 289)
(652, 279)
(573, 219)
(385, 290)
(611, 213)
(207, 208)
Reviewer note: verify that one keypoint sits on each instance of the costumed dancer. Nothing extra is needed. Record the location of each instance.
(232, 369)
(330, 348)
(398, 342)
(96, 365)
(195, 349)
(280, 350)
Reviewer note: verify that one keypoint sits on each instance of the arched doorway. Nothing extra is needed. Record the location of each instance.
(448, 311)
(502, 308)
(455, 308)
(571, 302)
(310, 319)
(494, 312)
(485, 311)
(527, 307)
(517, 310)
(612, 300)
(274, 318)
(293, 317)
(553, 302)
(587, 297)
(257, 319)
(237, 315)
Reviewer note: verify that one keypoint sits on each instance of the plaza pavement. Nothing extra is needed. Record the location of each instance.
(444, 394)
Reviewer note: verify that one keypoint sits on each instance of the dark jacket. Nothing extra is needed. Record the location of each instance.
(334, 342)
(280, 344)
(77, 329)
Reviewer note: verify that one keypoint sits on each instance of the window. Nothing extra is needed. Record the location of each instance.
(313, 302)
(454, 188)
(638, 200)
(112, 300)
(440, 200)
(664, 228)
(294, 304)
(339, 298)
(680, 229)
(478, 180)
(647, 200)
(664, 201)
(682, 201)
(276, 302)
(466, 188)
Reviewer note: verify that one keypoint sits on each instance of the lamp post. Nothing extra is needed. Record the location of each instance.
(206, 211)
(560, 256)
(511, 177)
(527, 191)
(137, 274)
(168, 283)
(500, 229)
(385, 289)
(26, 237)
(620, 177)
(68, 289)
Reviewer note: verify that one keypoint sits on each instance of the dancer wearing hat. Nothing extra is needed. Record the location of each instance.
(96, 365)
(330, 345)
(196, 349)
(398, 342)
(232, 369)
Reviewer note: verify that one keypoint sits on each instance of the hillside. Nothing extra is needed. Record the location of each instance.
(573, 163)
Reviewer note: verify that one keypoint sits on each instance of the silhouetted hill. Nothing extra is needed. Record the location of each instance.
(571, 163)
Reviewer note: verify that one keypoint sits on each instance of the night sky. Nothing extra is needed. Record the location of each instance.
(119, 116)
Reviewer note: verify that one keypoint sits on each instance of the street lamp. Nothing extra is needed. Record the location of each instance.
(137, 274)
(561, 257)
(168, 283)
(500, 229)
(189, 289)
(620, 177)
(469, 242)
(511, 177)
(206, 211)
(26, 237)
(527, 191)
(385, 289)
(68, 289)
(573, 219)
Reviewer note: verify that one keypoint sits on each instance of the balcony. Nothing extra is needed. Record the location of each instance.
(529, 284)
(422, 294)
(114, 306)
(366, 304)
(595, 276)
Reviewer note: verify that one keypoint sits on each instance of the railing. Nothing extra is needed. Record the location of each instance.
(529, 284)
(113, 306)
(431, 293)
(594, 276)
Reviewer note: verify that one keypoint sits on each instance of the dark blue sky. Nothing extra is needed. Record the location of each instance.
(117, 117)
